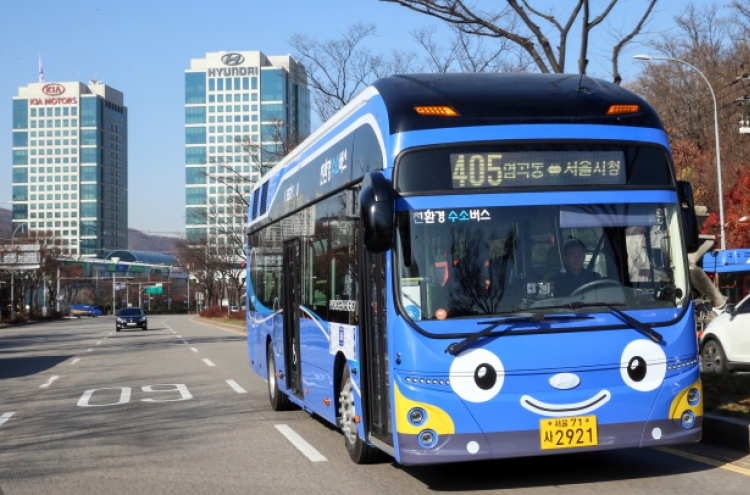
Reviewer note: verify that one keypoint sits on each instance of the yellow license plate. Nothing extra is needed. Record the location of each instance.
(568, 433)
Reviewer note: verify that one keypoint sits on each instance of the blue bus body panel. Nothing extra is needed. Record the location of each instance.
(731, 260)
(626, 417)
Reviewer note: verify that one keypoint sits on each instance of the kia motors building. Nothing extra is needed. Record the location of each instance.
(243, 112)
(70, 165)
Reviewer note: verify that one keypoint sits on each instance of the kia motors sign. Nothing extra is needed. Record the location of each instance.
(53, 89)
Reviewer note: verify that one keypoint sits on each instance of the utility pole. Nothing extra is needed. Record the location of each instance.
(114, 281)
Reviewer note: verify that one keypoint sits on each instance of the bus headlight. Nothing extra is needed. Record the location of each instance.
(428, 438)
(688, 418)
(417, 416)
(693, 396)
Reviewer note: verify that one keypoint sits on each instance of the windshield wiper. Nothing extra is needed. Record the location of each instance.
(456, 347)
(638, 325)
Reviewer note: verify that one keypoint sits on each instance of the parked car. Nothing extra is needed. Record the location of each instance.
(131, 317)
(725, 343)
(79, 310)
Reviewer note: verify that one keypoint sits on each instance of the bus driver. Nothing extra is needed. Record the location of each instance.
(574, 275)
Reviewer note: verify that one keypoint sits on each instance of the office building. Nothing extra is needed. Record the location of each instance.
(70, 166)
(243, 111)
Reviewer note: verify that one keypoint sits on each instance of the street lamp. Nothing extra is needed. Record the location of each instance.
(114, 259)
(13, 275)
(739, 220)
(648, 58)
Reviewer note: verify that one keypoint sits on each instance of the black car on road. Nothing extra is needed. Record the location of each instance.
(131, 317)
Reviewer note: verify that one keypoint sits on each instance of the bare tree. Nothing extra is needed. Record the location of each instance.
(517, 22)
(338, 69)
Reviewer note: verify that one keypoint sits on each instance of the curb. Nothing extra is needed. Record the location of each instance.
(731, 433)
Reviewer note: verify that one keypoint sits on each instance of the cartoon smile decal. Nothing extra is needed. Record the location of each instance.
(583, 407)
(477, 375)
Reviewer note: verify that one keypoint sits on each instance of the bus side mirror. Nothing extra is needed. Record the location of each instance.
(690, 229)
(376, 200)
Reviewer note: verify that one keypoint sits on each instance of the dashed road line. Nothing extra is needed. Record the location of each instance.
(208, 362)
(49, 382)
(88, 350)
(6, 416)
(99, 342)
(75, 360)
(194, 349)
(179, 336)
(185, 342)
(729, 466)
(236, 387)
(299, 442)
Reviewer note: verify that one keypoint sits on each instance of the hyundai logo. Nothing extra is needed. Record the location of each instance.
(53, 89)
(232, 59)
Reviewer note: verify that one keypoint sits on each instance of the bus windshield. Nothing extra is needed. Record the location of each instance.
(483, 261)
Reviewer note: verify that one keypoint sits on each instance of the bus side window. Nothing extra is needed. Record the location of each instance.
(745, 286)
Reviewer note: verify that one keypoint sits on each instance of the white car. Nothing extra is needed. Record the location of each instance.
(725, 343)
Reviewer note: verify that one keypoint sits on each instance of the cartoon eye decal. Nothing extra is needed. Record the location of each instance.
(643, 365)
(477, 375)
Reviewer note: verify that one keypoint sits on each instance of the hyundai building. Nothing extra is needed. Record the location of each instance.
(243, 112)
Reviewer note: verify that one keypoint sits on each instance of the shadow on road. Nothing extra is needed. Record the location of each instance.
(24, 366)
(567, 469)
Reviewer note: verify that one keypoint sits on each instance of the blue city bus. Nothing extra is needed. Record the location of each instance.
(730, 271)
(409, 269)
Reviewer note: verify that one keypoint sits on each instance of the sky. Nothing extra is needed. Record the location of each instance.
(142, 48)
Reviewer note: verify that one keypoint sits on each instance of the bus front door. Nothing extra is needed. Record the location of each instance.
(375, 358)
(290, 306)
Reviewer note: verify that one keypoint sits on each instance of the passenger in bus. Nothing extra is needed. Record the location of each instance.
(574, 275)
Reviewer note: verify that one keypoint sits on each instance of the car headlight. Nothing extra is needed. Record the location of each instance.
(119, 320)
(143, 318)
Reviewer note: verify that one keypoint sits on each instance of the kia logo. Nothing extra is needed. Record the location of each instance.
(53, 89)
(232, 59)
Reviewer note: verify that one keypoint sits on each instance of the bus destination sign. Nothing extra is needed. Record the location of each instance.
(537, 168)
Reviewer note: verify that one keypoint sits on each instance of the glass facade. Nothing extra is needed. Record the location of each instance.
(20, 114)
(195, 87)
(49, 184)
(237, 138)
(90, 112)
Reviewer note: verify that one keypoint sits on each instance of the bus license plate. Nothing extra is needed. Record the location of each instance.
(568, 433)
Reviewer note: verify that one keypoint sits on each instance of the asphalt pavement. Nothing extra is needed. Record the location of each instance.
(176, 409)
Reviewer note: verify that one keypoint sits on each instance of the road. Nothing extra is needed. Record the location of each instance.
(176, 410)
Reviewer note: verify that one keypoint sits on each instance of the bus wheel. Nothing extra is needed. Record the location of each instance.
(359, 451)
(279, 400)
(714, 359)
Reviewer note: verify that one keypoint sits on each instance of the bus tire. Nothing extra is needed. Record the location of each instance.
(359, 451)
(713, 357)
(279, 400)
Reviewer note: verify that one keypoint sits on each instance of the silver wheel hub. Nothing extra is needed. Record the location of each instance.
(347, 412)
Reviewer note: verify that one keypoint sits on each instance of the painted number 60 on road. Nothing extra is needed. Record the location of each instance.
(125, 393)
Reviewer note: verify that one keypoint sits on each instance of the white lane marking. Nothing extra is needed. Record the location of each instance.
(179, 336)
(49, 382)
(88, 350)
(75, 360)
(301, 444)
(99, 342)
(6, 416)
(111, 333)
(208, 362)
(236, 387)
(194, 349)
(185, 342)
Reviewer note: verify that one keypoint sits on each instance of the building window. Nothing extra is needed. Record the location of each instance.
(195, 115)
(20, 114)
(195, 175)
(195, 155)
(195, 196)
(91, 115)
(20, 157)
(195, 135)
(195, 87)
(20, 139)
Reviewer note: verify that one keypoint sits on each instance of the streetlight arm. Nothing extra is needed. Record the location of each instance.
(716, 129)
